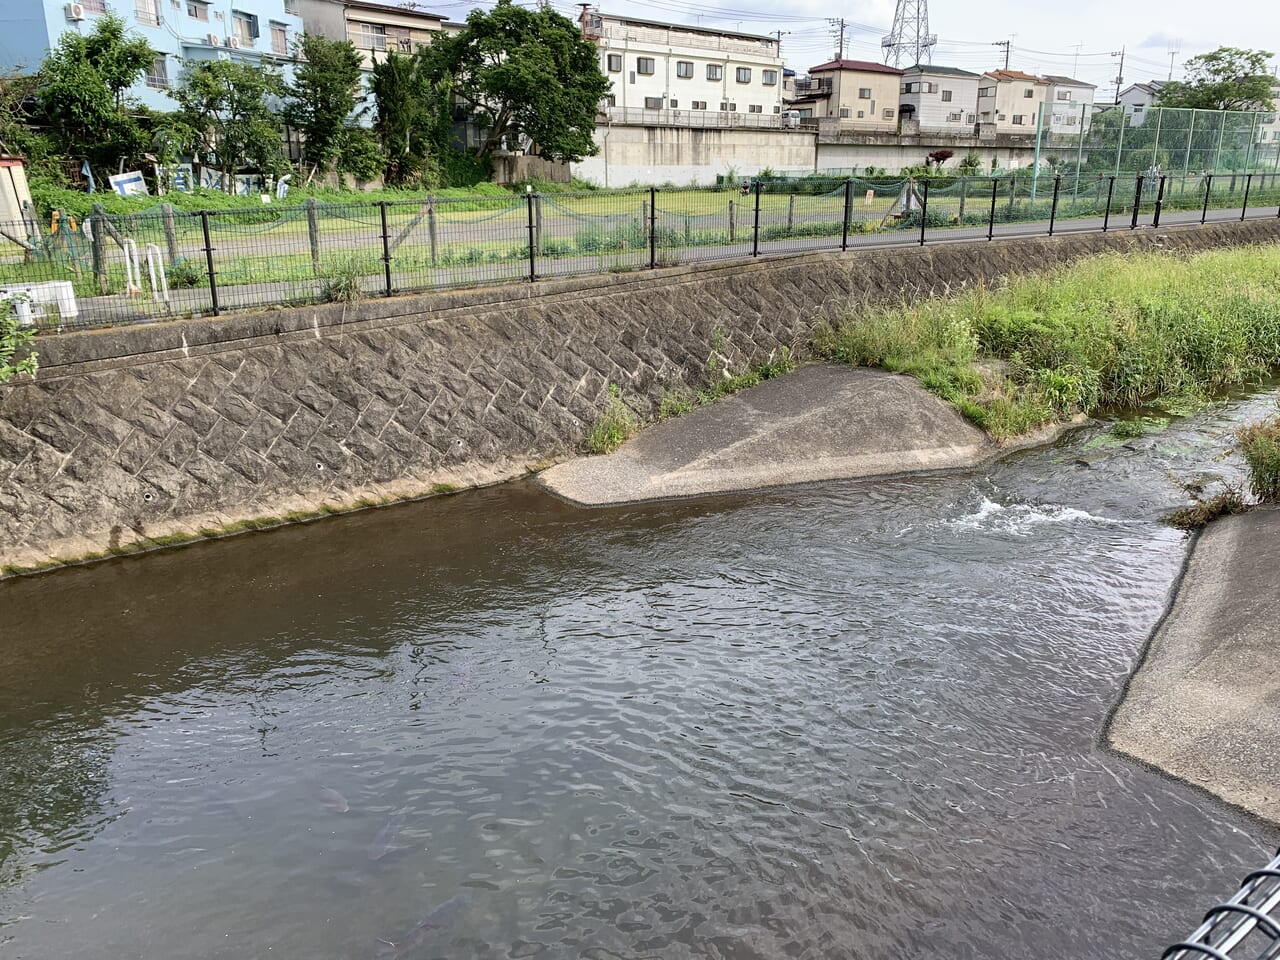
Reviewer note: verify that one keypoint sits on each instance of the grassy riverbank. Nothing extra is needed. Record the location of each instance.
(1110, 331)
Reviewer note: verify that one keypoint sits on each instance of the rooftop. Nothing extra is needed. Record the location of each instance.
(408, 9)
(682, 27)
(1014, 75)
(864, 66)
(1068, 82)
(941, 71)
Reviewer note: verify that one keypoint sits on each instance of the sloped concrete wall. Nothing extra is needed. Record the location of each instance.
(139, 432)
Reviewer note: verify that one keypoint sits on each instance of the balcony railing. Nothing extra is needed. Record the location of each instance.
(705, 119)
(678, 38)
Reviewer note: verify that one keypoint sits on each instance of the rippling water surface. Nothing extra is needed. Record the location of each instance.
(842, 720)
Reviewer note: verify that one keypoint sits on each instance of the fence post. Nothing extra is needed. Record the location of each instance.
(537, 222)
(653, 228)
(170, 231)
(533, 263)
(1137, 202)
(991, 221)
(208, 256)
(1208, 188)
(386, 246)
(964, 195)
(924, 209)
(848, 212)
(313, 231)
(1155, 222)
(98, 247)
(733, 226)
(1111, 189)
(431, 225)
(791, 212)
(1244, 208)
(1053, 210)
(755, 230)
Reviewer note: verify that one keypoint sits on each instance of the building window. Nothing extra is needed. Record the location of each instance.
(1017, 120)
(861, 114)
(147, 11)
(778, 109)
(198, 11)
(930, 88)
(1028, 93)
(971, 118)
(864, 93)
(844, 113)
(653, 103)
(888, 113)
(1064, 94)
(291, 6)
(714, 71)
(644, 66)
(946, 96)
(726, 107)
(279, 39)
(1072, 120)
(954, 117)
(614, 62)
(1138, 108)
(699, 105)
(673, 104)
(371, 36)
(158, 74)
(769, 78)
(755, 108)
(684, 69)
(94, 6)
(610, 100)
(744, 75)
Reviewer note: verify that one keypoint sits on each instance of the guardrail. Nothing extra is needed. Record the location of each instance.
(1246, 927)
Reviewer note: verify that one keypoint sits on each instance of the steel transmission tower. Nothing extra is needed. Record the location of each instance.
(910, 42)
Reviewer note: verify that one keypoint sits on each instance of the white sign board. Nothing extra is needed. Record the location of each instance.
(129, 184)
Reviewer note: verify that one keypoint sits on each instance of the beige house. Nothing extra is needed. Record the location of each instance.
(374, 28)
(858, 94)
(1011, 100)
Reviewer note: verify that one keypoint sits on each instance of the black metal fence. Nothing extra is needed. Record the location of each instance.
(1246, 927)
(165, 263)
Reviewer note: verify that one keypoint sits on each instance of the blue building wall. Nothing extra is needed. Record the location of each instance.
(179, 36)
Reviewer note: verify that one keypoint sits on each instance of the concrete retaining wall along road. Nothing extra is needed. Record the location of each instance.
(142, 432)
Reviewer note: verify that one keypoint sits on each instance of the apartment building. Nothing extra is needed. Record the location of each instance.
(257, 31)
(671, 74)
(374, 28)
(939, 99)
(1011, 100)
(1069, 105)
(860, 94)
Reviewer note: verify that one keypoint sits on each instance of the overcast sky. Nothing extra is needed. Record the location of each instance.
(1046, 37)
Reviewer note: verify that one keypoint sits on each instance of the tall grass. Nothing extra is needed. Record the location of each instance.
(1110, 331)
(1260, 444)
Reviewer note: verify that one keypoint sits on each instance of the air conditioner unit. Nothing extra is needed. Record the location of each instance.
(233, 43)
(214, 40)
(75, 11)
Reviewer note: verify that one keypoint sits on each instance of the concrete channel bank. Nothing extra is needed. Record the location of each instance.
(182, 428)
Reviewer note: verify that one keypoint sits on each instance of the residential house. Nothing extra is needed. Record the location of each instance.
(672, 74)
(1069, 106)
(374, 28)
(939, 99)
(257, 31)
(859, 94)
(1138, 98)
(1011, 100)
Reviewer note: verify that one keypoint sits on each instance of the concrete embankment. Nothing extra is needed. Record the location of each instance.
(133, 436)
(1204, 703)
(821, 422)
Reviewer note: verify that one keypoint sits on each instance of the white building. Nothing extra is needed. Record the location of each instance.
(668, 74)
(1138, 98)
(1069, 105)
(374, 28)
(939, 99)
(1011, 100)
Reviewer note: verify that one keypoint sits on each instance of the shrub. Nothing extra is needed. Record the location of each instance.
(1260, 444)
(14, 339)
(342, 285)
(1224, 503)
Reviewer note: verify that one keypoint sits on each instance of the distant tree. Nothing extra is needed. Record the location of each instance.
(411, 116)
(17, 138)
(80, 93)
(323, 96)
(227, 108)
(1228, 78)
(527, 73)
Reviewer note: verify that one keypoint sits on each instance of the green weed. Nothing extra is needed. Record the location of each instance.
(1260, 444)
(615, 425)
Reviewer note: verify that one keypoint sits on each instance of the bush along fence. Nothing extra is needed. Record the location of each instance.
(162, 263)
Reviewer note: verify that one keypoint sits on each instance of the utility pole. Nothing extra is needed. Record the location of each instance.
(778, 35)
(1120, 73)
(1075, 63)
(1173, 52)
(1006, 44)
(837, 27)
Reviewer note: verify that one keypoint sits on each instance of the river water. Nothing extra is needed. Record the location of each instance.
(840, 720)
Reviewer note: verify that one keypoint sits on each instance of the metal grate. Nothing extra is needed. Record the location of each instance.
(1246, 927)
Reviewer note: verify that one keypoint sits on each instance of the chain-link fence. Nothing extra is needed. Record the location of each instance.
(1246, 927)
(165, 263)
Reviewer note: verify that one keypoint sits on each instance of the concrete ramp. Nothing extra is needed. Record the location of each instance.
(822, 422)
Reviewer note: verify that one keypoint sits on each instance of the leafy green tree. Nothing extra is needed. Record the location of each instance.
(323, 96)
(227, 106)
(1228, 78)
(528, 73)
(81, 88)
(17, 138)
(13, 339)
(411, 117)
